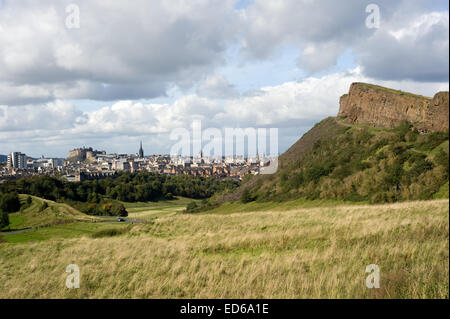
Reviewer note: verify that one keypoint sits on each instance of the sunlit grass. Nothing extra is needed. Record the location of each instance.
(317, 252)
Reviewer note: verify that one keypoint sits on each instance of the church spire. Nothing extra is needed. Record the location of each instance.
(141, 151)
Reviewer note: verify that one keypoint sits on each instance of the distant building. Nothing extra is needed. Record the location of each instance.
(121, 165)
(141, 151)
(44, 163)
(82, 154)
(17, 160)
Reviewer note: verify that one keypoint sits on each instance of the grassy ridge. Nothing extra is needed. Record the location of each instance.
(37, 215)
(317, 252)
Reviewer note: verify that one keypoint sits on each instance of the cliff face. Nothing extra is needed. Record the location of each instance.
(384, 107)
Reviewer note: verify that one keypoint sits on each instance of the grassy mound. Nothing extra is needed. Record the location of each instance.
(41, 213)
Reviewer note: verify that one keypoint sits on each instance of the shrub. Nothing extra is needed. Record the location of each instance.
(428, 142)
(442, 158)
(411, 136)
(118, 209)
(43, 207)
(421, 165)
(191, 207)
(4, 219)
(246, 196)
(169, 196)
(110, 232)
(113, 209)
(10, 203)
(297, 180)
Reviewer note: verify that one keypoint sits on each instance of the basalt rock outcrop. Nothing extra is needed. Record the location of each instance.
(384, 107)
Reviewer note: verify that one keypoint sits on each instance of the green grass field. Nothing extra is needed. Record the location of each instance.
(72, 230)
(238, 207)
(302, 252)
(152, 210)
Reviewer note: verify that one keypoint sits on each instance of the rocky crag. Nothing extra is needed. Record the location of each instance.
(384, 107)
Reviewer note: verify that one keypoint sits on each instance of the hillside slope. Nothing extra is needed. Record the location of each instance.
(360, 163)
(323, 130)
(371, 153)
(38, 214)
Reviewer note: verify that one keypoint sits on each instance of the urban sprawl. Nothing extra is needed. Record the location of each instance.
(87, 163)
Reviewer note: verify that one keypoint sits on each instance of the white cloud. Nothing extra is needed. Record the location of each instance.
(51, 117)
(289, 106)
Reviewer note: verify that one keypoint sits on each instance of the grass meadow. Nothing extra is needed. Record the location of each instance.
(309, 252)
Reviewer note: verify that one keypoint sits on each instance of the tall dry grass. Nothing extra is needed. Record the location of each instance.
(306, 253)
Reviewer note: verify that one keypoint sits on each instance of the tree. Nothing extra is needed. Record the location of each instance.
(4, 219)
(10, 203)
(118, 209)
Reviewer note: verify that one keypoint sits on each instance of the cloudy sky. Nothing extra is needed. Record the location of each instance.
(136, 70)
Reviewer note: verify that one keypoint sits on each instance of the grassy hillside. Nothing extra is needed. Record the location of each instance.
(41, 213)
(358, 163)
(321, 131)
(317, 252)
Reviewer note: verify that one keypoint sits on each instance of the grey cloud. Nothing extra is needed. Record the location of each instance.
(421, 57)
(320, 24)
(125, 51)
(137, 50)
(217, 87)
(323, 30)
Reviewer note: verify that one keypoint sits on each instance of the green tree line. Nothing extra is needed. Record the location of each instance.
(97, 197)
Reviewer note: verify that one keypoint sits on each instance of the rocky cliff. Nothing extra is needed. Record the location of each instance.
(384, 107)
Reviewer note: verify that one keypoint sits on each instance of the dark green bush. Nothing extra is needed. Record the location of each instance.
(10, 202)
(442, 158)
(4, 219)
(43, 207)
(427, 142)
(247, 197)
(110, 232)
(191, 207)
